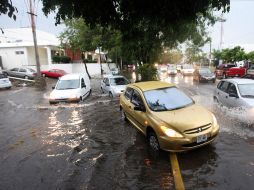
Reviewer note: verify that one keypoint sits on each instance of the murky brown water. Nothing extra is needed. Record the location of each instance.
(88, 146)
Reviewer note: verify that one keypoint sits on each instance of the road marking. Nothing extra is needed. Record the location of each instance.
(179, 185)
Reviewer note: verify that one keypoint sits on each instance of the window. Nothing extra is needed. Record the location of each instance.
(223, 86)
(232, 89)
(128, 93)
(15, 69)
(165, 99)
(136, 99)
(19, 52)
(22, 70)
(82, 83)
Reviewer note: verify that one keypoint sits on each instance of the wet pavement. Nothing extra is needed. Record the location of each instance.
(88, 146)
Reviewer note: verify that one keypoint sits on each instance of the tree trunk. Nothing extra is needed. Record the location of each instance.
(87, 69)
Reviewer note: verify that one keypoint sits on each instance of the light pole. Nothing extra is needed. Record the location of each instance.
(221, 20)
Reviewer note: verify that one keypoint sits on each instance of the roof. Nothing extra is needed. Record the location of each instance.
(71, 76)
(151, 85)
(23, 37)
(240, 81)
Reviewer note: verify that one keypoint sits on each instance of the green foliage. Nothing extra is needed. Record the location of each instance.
(61, 59)
(230, 55)
(147, 72)
(6, 7)
(171, 56)
(250, 56)
(145, 26)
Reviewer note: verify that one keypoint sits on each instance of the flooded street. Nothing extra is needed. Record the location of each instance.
(89, 146)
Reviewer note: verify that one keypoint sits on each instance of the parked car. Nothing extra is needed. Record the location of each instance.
(203, 75)
(220, 71)
(172, 70)
(54, 73)
(179, 68)
(247, 68)
(187, 70)
(113, 85)
(114, 71)
(169, 119)
(22, 72)
(248, 76)
(4, 81)
(236, 92)
(71, 88)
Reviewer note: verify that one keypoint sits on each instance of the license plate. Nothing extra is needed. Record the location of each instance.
(202, 138)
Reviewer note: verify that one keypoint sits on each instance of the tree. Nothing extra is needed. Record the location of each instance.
(171, 56)
(230, 55)
(6, 7)
(146, 26)
(250, 56)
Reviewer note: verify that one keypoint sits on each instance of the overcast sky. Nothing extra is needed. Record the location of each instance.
(238, 28)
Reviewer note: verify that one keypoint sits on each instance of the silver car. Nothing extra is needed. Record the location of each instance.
(236, 93)
(4, 81)
(22, 72)
(113, 85)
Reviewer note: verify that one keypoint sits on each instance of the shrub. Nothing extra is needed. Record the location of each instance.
(61, 59)
(147, 72)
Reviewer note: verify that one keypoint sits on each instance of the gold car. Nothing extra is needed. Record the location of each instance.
(170, 119)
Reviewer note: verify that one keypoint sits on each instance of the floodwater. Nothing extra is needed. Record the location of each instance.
(88, 146)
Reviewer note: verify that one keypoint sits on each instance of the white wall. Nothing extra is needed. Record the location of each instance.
(10, 59)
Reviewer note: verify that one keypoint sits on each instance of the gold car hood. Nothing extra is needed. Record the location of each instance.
(185, 118)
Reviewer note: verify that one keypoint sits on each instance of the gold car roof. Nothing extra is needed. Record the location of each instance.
(151, 85)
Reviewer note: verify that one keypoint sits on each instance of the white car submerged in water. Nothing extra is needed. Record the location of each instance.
(113, 85)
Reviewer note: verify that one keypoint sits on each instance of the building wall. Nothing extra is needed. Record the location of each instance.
(13, 57)
(42, 56)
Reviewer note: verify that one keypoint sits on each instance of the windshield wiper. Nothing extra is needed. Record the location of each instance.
(248, 96)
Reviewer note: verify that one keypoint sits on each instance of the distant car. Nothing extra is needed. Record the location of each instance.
(236, 92)
(178, 68)
(220, 71)
(54, 73)
(113, 85)
(248, 76)
(169, 119)
(203, 75)
(71, 88)
(114, 71)
(4, 81)
(187, 70)
(172, 70)
(22, 72)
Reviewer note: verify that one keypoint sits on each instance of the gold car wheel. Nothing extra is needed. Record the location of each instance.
(123, 115)
(153, 141)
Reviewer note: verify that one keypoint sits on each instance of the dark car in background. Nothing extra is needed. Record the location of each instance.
(221, 70)
(203, 75)
(21, 72)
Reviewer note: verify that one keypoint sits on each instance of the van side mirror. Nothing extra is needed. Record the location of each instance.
(232, 94)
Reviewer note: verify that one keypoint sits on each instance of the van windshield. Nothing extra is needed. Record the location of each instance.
(67, 84)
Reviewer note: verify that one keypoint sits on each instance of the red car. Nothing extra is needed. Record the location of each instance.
(220, 71)
(54, 73)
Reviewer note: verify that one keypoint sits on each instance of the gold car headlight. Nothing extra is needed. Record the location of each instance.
(170, 132)
(214, 120)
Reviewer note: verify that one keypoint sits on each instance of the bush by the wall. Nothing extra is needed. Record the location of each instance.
(61, 59)
(147, 72)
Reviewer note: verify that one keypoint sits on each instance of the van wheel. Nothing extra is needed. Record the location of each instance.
(110, 95)
(153, 141)
(102, 91)
(43, 75)
(26, 77)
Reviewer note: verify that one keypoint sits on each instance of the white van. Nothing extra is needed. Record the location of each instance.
(71, 88)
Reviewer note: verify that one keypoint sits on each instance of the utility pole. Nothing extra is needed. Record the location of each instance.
(221, 20)
(34, 38)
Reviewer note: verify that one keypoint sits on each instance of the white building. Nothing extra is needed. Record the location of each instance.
(17, 47)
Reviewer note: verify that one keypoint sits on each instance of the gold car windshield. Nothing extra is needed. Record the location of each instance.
(166, 99)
